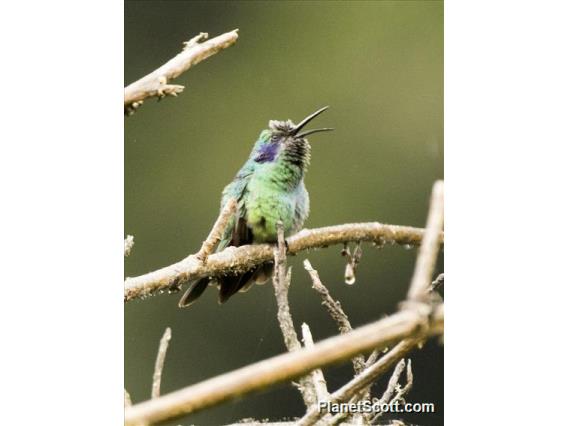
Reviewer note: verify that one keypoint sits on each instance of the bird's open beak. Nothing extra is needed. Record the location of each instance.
(305, 121)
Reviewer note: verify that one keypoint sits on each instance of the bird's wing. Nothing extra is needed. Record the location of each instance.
(237, 233)
(301, 209)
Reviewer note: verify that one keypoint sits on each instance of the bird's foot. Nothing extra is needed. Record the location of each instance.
(288, 248)
(175, 286)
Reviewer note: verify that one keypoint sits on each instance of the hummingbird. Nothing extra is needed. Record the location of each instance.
(268, 188)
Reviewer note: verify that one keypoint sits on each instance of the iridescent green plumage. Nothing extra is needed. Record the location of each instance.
(268, 188)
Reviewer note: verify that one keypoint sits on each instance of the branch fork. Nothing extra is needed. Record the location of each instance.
(156, 84)
(410, 327)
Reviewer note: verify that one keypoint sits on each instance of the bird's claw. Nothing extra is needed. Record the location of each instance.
(175, 286)
(287, 246)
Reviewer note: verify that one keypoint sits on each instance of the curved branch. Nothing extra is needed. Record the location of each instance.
(360, 382)
(160, 359)
(156, 84)
(404, 324)
(428, 253)
(241, 259)
(335, 311)
(412, 324)
(281, 282)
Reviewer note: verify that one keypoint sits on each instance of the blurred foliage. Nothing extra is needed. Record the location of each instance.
(380, 67)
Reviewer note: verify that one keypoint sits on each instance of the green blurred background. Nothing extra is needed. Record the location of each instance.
(379, 65)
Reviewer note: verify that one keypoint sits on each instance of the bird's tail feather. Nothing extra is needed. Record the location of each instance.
(196, 289)
(261, 275)
(229, 284)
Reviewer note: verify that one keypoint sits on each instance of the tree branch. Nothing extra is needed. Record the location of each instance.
(217, 231)
(281, 280)
(160, 359)
(393, 382)
(437, 283)
(360, 382)
(156, 84)
(427, 255)
(318, 380)
(410, 326)
(393, 386)
(335, 311)
(417, 301)
(404, 324)
(241, 259)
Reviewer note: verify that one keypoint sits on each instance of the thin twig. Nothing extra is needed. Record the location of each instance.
(338, 418)
(347, 391)
(285, 367)
(428, 251)
(318, 379)
(437, 283)
(281, 280)
(372, 358)
(394, 388)
(217, 231)
(156, 84)
(159, 366)
(340, 317)
(128, 244)
(416, 297)
(242, 259)
(387, 395)
(392, 384)
(335, 311)
(409, 327)
(409, 382)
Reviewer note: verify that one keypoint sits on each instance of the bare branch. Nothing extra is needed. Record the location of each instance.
(428, 251)
(393, 382)
(437, 283)
(360, 382)
(281, 281)
(410, 326)
(284, 367)
(242, 259)
(409, 382)
(217, 231)
(159, 366)
(335, 311)
(318, 379)
(128, 244)
(372, 358)
(156, 84)
(394, 388)
(417, 293)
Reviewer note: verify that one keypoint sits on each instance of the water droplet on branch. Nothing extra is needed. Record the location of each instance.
(349, 274)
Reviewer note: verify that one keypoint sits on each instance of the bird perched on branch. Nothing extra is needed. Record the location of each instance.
(269, 188)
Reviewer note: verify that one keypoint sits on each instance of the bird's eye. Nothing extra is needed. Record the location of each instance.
(274, 138)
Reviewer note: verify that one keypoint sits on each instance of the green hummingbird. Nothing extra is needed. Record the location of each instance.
(269, 188)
